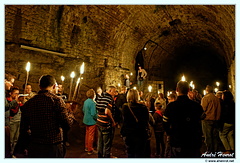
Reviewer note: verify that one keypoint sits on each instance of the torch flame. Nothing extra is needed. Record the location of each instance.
(62, 78)
(183, 78)
(72, 74)
(82, 68)
(204, 92)
(28, 67)
(193, 86)
(150, 88)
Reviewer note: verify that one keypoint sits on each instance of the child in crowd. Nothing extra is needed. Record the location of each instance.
(159, 130)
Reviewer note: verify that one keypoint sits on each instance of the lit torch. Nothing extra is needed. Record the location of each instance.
(72, 75)
(62, 78)
(75, 91)
(27, 69)
(81, 72)
(183, 78)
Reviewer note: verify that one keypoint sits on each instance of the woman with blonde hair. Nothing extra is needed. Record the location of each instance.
(162, 100)
(135, 125)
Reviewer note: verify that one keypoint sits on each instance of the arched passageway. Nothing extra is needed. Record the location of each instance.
(203, 65)
(195, 40)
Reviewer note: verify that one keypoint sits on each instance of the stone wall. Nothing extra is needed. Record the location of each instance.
(82, 37)
(231, 77)
(108, 37)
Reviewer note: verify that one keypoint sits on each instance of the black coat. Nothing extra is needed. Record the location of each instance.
(130, 126)
(182, 122)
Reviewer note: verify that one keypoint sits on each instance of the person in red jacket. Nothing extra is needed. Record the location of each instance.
(15, 117)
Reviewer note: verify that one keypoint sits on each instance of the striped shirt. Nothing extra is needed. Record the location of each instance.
(104, 102)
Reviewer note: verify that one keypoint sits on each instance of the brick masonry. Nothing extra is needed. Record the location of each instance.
(108, 38)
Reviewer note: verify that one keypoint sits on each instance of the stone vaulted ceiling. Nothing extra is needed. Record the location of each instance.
(119, 32)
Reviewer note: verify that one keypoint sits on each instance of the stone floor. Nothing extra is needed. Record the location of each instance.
(77, 148)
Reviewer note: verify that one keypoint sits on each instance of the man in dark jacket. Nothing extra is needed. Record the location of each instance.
(45, 116)
(182, 122)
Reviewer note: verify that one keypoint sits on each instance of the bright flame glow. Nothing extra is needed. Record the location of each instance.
(204, 92)
(82, 68)
(216, 89)
(183, 78)
(193, 86)
(191, 82)
(28, 67)
(78, 80)
(62, 78)
(72, 74)
(131, 73)
(119, 84)
(134, 88)
(150, 88)
(230, 86)
(217, 83)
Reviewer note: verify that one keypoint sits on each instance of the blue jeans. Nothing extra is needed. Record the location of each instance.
(226, 136)
(104, 141)
(140, 85)
(14, 133)
(211, 134)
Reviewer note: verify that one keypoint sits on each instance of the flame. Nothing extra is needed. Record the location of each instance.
(149, 88)
(204, 92)
(191, 83)
(193, 86)
(183, 78)
(72, 74)
(82, 68)
(62, 78)
(28, 67)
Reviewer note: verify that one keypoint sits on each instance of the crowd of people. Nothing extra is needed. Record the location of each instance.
(36, 124)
